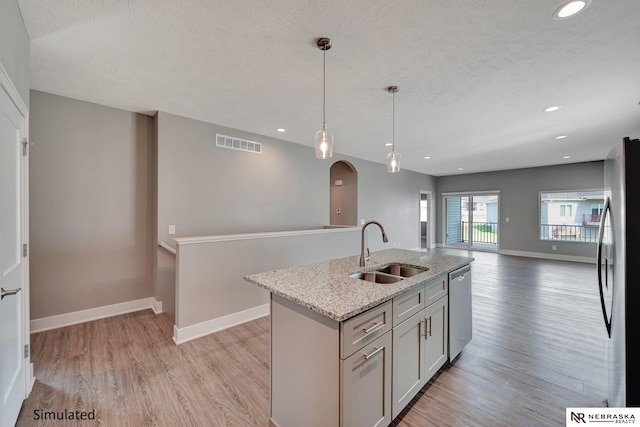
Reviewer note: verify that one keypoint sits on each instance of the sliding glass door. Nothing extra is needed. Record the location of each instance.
(471, 220)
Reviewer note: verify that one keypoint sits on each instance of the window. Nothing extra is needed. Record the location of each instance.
(571, 215)
(566, 210)
(423, 211)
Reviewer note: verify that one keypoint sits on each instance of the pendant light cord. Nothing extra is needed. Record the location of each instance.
(324, 85)
(393, 123)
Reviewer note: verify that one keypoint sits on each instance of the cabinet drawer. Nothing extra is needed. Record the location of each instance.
(362, 329)
(408, 304)
(436, 290)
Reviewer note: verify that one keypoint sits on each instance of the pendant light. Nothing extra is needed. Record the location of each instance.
(393, 158)
(323, 139)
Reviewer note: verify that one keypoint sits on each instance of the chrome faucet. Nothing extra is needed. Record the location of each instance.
(364, 259)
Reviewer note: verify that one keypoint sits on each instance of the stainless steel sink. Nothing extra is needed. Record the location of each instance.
(376, 277)
(402, 270)
(390, 273)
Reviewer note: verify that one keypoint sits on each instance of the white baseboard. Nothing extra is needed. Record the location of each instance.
(182, 335)
(557, 257)
(73, 318)
(156, 306)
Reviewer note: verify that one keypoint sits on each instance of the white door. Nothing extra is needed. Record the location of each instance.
(12, 263)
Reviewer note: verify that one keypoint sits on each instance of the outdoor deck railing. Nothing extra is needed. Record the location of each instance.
(482, 232)
(573, 233)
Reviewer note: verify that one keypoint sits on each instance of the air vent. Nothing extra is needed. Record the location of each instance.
(224, 141)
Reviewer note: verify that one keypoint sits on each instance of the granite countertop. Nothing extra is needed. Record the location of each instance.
(326, 288)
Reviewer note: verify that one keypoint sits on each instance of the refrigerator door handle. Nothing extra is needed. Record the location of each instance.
(605, 212)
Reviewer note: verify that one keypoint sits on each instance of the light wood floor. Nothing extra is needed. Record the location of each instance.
(538, 347)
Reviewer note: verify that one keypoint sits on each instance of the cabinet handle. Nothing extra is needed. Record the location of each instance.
(425, 328)
(9, 292)
(375, 350)
(373, 327)
(428, 332)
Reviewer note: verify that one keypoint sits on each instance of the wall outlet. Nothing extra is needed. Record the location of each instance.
(338, 211)
(172, 229)
(507, 219)
(554, 248)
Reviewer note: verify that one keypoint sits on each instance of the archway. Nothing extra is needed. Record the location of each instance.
(343, 194)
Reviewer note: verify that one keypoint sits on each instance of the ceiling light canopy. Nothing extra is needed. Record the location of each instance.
(393, 158)
(323, 139)
(570, 9)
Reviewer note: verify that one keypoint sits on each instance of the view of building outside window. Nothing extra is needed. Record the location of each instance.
(571, 215)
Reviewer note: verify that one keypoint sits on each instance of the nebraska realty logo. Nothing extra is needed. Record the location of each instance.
(580, 416)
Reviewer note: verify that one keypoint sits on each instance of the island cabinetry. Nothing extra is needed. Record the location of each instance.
(347, 351)
(364, 328)
(419, 342)
(366, 385)
(436, 289)
(436, 335)
(408, 304)
(408, 361)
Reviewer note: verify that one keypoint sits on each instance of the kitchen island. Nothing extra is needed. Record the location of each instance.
(347, 351)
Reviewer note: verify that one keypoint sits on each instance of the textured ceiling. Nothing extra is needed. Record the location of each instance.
(474, 75)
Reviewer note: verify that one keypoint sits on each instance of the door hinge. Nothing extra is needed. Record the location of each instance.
(26, 351)
(25, 250)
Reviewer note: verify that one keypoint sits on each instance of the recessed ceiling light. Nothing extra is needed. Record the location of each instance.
(566, 157)
(460, 169)
(561, 136)
(281, 129)
(388, 144)
(570, 9)
(427, 157)
(553, 108)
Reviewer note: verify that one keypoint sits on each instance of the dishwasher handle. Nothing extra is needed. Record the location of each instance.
(460, 272)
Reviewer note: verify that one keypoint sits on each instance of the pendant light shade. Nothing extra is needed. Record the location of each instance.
(323, 139)
(393, 162)
(393, 158)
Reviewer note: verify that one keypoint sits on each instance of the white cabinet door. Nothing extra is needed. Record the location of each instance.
(408, 361)
(436, 336)
(366, 385)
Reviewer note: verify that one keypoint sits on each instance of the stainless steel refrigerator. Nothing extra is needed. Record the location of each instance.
(618, 266)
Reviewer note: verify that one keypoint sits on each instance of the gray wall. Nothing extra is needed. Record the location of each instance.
(206, 190)
(91, 205)
(14, 47)
(519, 200)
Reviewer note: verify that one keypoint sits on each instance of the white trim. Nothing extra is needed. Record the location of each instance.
(182, 335)
(557, 257)
(166, 247)
(5, 81)
(156, 305)
(267, 235)
(470, 193)
(75, 317)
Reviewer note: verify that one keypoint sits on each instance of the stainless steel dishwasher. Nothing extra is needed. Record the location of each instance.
(459, 310)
